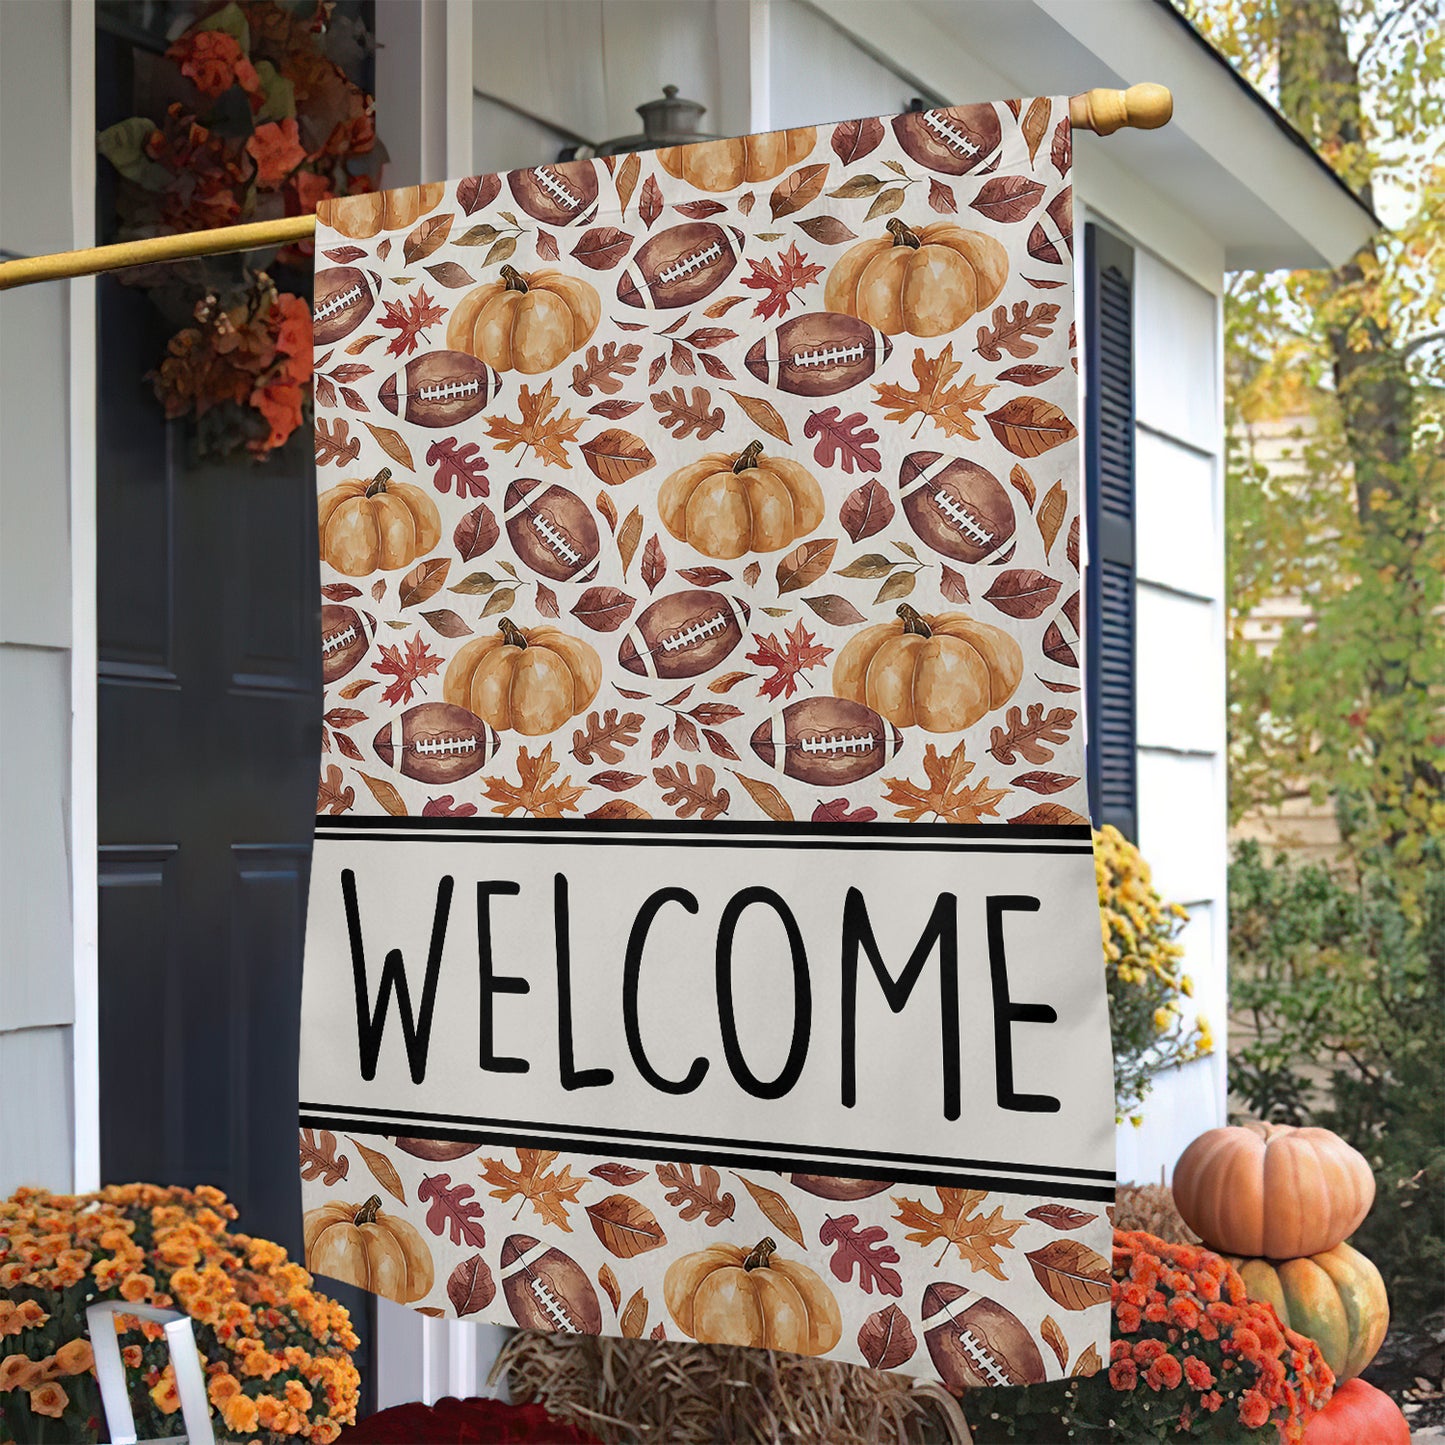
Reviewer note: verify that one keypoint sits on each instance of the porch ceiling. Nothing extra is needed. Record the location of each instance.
(1228, 161)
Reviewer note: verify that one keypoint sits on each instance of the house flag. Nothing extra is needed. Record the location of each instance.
(703, 939)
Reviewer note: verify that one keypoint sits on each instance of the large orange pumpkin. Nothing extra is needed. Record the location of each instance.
(939, 673)
(729, 1295)
(361, 217)
(926, 282)
(1337, 1299)
(719, 165)
(367, 526)
(525, 323)
(1272, 1190)
(528, 679)
(361, 1245)
(727, 504)
(1356, 1414)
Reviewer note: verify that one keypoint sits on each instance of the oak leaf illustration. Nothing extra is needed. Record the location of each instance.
(534, 794)
(537, 430)
(1028, 735)
(549, 1191)
(606, 736)
(936, 398)
(331, 797)
(681, 414)
(319, 1159)
(786, 660)
(689, 794)
(865, 1251)
(1011, 330)
(944, 796)
(453, 1210)
(335, 445)
(843, 441)
(697, 1195)
(977, 1237)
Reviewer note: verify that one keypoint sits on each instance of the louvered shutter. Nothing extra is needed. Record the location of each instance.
(1109, 577)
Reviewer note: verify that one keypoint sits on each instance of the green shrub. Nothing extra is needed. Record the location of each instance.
(1345, 987)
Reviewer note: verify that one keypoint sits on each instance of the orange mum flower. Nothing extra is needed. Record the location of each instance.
(240, 1414)
(49, 1399)
(18, 1372)
(1164, 1374)
(1123, 1375)
(1254, 1410)
(277, 150)
(1199, 1375)
(75, 1357)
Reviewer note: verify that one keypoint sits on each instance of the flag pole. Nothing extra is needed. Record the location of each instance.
(1103, 111)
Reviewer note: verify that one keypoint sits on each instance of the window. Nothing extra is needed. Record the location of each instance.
(1109, 504)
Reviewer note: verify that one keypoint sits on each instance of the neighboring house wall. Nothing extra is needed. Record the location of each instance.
(575, 69)
(38, 997)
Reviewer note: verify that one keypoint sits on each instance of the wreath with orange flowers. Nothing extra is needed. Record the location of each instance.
(277, 1353)
(255, 118)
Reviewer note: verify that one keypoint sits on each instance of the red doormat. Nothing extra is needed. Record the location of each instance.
(463, 1422)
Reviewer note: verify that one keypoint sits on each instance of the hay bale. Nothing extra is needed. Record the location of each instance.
(1150, 1207)
(644, 1392)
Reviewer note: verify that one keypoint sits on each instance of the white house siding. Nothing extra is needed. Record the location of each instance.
(1180, 668)
(37, 993)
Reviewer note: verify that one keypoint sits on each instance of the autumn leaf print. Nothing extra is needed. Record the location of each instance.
(944, 796)
(534, 794)
(978, 1238)
(410, 318)
(407, 665)
(549, 1191)
(783, 281)
(696, 1196)
(453, 1210)
(936, 398)
(319, 1159)
(863, 1250)
(537, 430)
(786, 660)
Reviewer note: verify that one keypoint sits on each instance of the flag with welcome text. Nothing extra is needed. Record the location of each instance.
(703, 939)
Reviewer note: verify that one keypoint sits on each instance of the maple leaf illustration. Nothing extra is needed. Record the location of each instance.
(977, 1237)
(407, 664)
(782, 282)
(787, 660)
(944, 795)
(935, 398)
(549, 1191)
(538, 429)
(534, 794)
(410, 321)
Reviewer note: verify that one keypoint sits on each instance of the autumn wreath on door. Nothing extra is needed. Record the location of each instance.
(703, 940)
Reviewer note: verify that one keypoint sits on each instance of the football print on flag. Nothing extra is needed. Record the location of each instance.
(702, 939)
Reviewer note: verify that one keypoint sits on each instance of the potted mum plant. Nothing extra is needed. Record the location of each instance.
(277, 1353)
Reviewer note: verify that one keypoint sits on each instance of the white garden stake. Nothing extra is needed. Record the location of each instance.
(185, 1360)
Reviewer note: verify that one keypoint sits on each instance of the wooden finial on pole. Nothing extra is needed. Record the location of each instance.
(1144, 107)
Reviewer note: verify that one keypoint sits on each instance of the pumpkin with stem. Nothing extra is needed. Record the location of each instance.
(1337, 1299)
(728, 1295)
(725, 505)
(525, 323)
(1272, 1190)
(528, 679)
(362, 217)
(375, 525)
(926, 282)
(361, 1245)
(939, 673)
(721, 165)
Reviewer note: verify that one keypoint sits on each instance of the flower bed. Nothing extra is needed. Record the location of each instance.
(277, 1354)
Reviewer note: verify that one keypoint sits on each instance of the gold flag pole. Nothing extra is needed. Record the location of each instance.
(1103, 111)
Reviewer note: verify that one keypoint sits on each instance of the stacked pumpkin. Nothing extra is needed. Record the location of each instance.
(1279, 1203)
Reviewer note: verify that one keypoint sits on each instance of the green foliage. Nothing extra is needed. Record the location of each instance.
(1345, 992)
(1347, 706)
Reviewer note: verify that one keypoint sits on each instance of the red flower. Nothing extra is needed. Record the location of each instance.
(1254, 1410)
(1129, 1319)
(280, 403)
(311, 190)
(1199, 1375)
(1212, 1401)
(1123, 1375)
(1184, 1312)
(209, 59)
(277, 150)
(1164, 1374)
(1147, 1351)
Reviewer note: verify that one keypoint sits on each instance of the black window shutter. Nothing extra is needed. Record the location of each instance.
(1109, 481)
